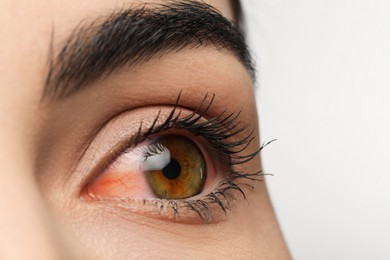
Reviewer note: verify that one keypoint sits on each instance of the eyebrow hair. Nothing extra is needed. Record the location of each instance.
(131, 36)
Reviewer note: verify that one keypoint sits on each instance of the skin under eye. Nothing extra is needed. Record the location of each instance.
(167, 167)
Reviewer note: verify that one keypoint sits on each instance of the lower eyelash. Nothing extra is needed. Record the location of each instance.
(221, 198)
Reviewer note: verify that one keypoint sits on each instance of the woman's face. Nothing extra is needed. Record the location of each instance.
(129, 131)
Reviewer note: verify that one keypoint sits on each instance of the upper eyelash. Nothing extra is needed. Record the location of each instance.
(215, 130)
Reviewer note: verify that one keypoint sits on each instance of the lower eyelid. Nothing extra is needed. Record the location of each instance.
(204, 208)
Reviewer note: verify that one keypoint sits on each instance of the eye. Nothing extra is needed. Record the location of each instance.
(167, 167)
(182, 165)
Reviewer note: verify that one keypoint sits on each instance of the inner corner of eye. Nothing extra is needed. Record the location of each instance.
(165, 167)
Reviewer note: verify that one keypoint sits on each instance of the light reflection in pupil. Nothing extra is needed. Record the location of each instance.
(172, 170)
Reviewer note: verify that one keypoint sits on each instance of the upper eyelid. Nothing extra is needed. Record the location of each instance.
(131, 137)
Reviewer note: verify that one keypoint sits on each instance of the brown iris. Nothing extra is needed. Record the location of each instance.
(183, 174)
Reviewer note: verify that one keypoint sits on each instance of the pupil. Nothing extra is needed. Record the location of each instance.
(172, 170)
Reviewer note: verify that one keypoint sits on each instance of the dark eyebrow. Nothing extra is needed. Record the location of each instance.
(134, 35)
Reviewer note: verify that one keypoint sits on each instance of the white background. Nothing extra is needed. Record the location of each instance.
(324, 93)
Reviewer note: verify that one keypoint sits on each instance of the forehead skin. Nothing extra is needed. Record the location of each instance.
(36, 222)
